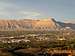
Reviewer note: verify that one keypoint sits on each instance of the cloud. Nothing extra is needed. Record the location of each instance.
(69, 21)
(11, 10)
(29, 14)
(5, 7)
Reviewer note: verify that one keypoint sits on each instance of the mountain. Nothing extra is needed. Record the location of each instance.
(70, 25)
(48, 24)
(28, 24)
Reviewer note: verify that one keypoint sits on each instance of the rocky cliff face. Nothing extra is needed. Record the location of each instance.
(33, 25)
(28, 24)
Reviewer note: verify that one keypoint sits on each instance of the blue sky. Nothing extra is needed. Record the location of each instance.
(21, 9)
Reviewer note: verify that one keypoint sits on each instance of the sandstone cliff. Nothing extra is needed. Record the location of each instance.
(28, 24)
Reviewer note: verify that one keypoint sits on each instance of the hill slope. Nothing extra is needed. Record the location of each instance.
(28, 24)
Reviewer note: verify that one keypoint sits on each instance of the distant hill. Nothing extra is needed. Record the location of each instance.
(71, 25)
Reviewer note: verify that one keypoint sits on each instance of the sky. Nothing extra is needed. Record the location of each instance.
(61, 10)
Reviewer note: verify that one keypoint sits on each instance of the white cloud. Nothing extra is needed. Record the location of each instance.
(11, 10)
(69, 21)
(29, 14)
(4, 7)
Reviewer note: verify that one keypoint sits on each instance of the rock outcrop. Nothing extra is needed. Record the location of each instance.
(28, 24)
